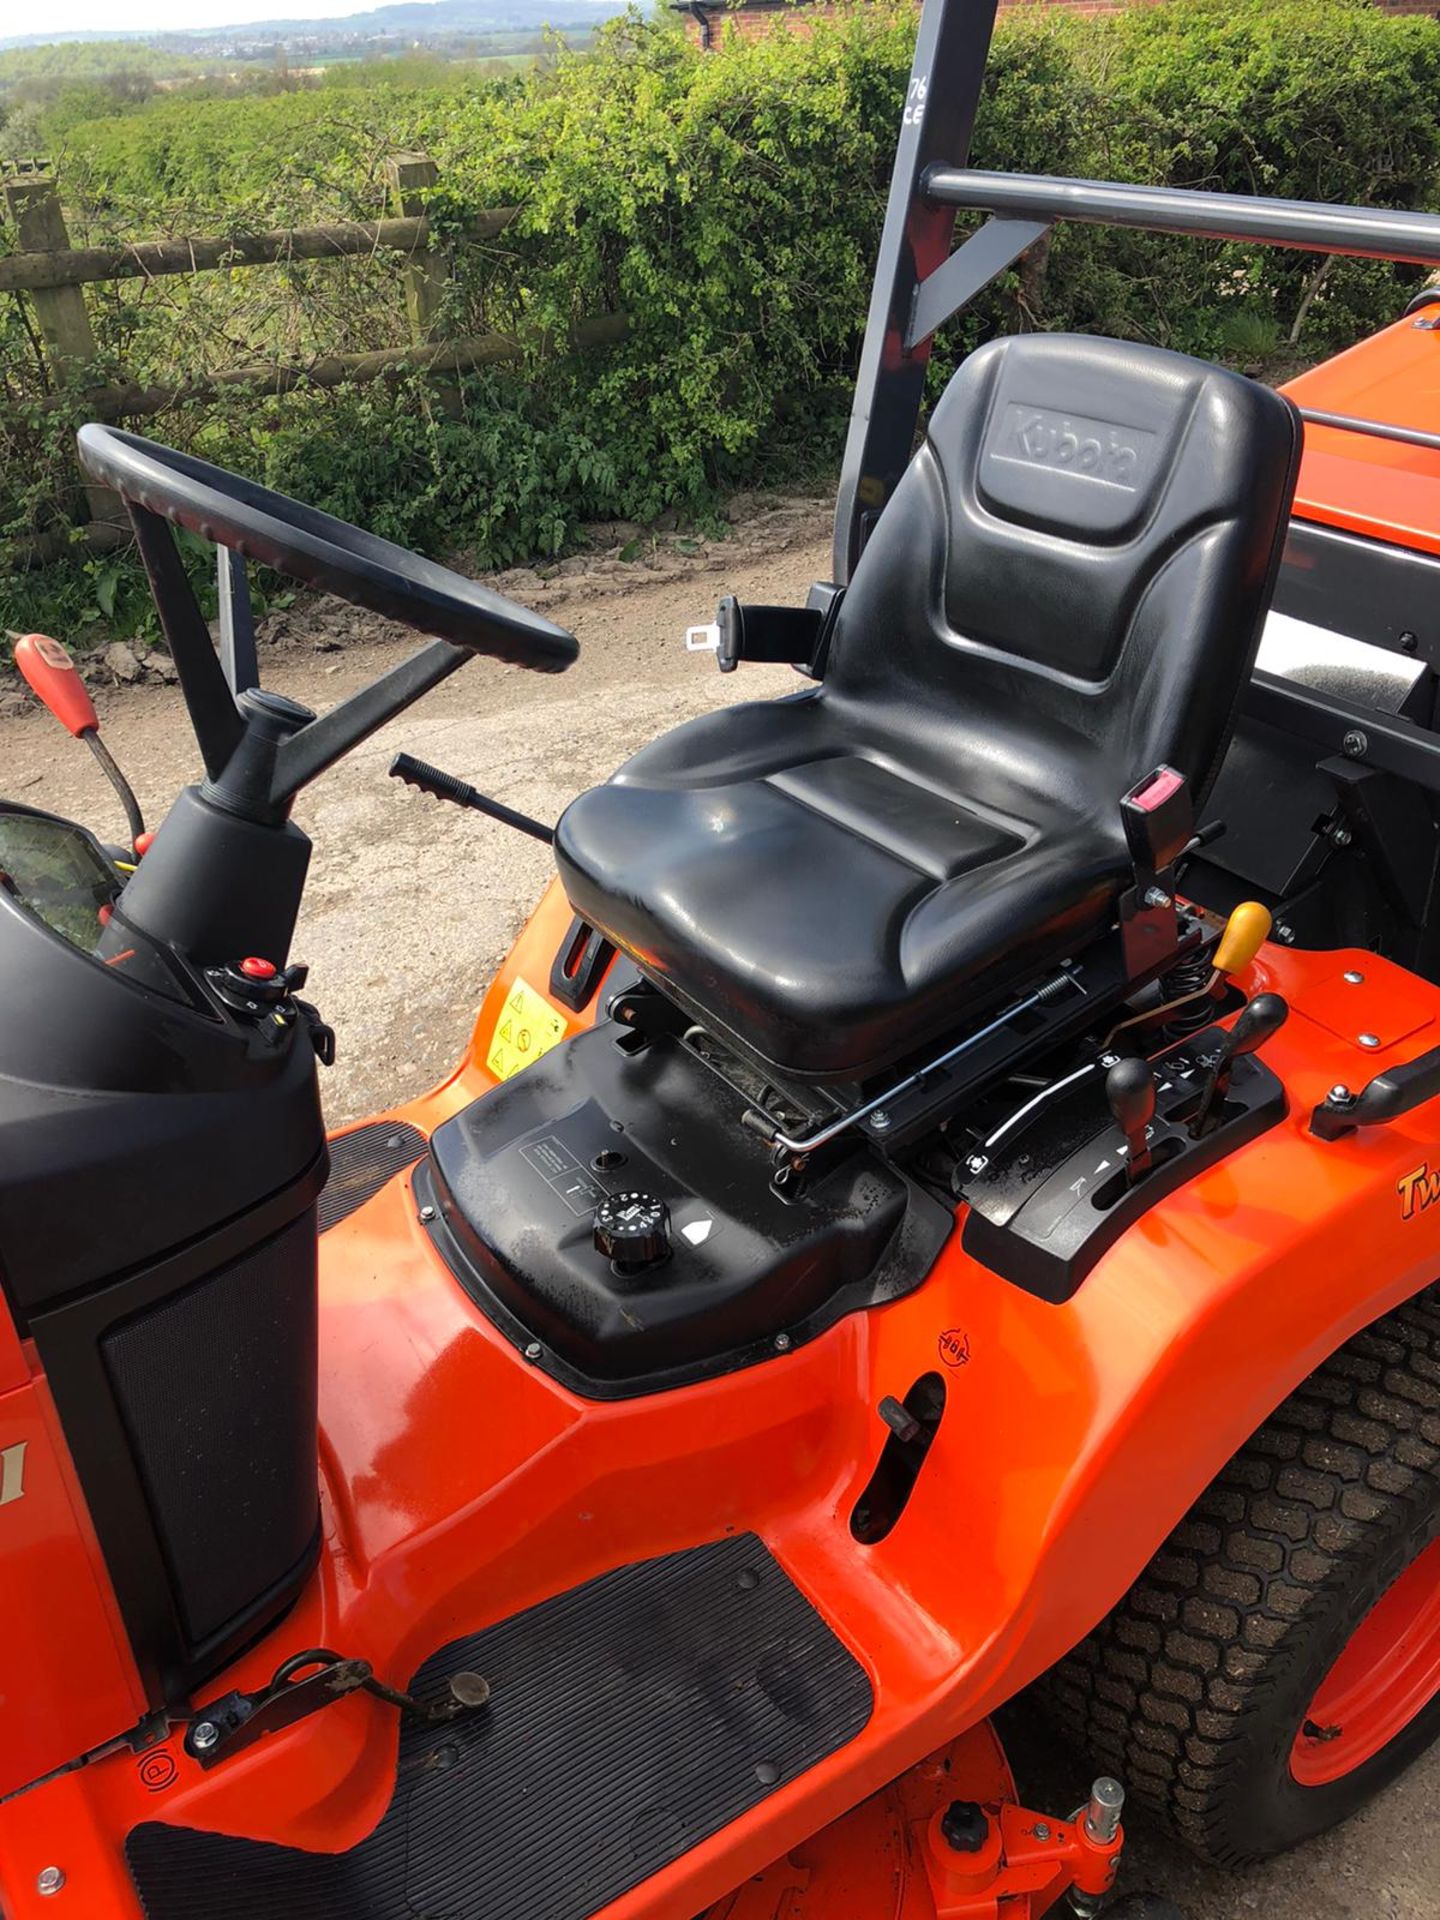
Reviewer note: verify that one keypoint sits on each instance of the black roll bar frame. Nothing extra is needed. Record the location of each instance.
(920, 284)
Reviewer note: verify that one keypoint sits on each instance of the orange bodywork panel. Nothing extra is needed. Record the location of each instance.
(1380, 488)
(461, 1484)
(67, 1681)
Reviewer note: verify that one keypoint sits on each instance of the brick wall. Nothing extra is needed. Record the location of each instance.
(752, 20)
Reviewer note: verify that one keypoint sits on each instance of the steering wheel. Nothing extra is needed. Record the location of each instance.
(323, 552)
(259, 749)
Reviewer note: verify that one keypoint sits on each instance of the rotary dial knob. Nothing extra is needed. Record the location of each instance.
(632, 1229)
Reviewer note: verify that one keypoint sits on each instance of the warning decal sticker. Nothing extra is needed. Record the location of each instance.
(528, 1027)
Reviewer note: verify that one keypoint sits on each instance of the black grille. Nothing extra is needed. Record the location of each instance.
(217, 1391)
(360, 1164)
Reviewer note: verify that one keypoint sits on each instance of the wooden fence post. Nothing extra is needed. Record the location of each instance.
(425, 272)
(60, 312)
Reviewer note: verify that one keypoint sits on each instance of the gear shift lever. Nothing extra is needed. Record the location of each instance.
(1130, 1090)
(1260, 1019)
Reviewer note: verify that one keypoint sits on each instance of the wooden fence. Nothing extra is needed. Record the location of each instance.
(52, 275)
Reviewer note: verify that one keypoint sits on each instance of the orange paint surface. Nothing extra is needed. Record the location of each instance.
(461, 1484)
(1354, 481)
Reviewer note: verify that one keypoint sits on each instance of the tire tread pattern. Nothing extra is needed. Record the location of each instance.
(1169, 1690)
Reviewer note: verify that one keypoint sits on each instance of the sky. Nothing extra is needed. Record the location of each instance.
(71, 16)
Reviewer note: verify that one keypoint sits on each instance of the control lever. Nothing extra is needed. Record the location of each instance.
(445, 786)
(1130, 1090)
(1260, 1020)
(53, 678)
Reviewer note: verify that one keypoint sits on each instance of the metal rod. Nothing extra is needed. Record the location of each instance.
(852, 1119)
(1377, 429)
(124, 791)
(1366, 233)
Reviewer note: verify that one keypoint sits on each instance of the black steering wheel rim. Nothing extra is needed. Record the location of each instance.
(321, 551)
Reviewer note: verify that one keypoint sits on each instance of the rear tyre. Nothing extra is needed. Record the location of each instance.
(1278, 1662)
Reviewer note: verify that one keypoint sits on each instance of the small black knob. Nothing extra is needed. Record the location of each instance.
(966, 1826)
(633, 1230)
(1130, 1090)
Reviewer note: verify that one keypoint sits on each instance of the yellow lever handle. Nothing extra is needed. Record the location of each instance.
(1246, 931)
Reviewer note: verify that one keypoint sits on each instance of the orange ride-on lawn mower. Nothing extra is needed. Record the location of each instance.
(941, 1198)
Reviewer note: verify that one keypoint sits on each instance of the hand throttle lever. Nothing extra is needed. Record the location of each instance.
(1260, 1020)
(1130, 1090)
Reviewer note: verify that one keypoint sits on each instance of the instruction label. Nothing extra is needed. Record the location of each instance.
(528, 1027)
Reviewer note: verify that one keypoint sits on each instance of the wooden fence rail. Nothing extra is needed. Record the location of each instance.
(52, 275)
(149, 259)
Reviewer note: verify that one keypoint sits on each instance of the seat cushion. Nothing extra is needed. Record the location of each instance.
(1064, 593)
(826, 905)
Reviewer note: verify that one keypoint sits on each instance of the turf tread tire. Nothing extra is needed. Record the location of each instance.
(1192, 1689)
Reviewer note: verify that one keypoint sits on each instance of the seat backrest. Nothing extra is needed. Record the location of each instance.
(1069, 582)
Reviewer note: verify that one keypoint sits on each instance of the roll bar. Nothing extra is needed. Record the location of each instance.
(920, 283)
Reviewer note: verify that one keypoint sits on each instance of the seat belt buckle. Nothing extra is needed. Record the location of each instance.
(777, 636)
(1159, 819)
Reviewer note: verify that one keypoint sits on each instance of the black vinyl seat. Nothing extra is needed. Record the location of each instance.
(1064, 593)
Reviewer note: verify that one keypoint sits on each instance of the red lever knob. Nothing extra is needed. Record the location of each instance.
(53, 678)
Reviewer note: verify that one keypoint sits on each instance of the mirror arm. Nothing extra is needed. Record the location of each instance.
(324, 741)
(217, 724)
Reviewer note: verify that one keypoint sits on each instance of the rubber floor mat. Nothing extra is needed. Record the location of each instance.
(361, 1161)
(629, 1719)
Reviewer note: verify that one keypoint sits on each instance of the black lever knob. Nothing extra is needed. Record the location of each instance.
(1130, 1090)
(1260, 1020)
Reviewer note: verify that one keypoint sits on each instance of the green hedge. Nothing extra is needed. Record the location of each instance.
(730, 204)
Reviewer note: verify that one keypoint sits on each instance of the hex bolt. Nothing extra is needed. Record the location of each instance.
(880, 1120)
(534, 1352)
(427, 1214)
(1369, 1039)
(1342, 836)
(1285, 935)
(1156, 897)
(1354, 978)
(1041, 1831)
(205, 1736)
(1102, 1816)
(50, 1880)
(1355, 743)
(782, 1343)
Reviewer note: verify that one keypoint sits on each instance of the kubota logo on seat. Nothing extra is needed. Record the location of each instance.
(1418, 1190)
(1069, 443)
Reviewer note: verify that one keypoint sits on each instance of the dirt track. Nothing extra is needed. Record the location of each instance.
(412, 904)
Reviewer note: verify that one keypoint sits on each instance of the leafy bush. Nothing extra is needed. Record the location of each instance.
(730, 205)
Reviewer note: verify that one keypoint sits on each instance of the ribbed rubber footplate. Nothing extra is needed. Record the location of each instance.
(629, 1719)
(360, 1164)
